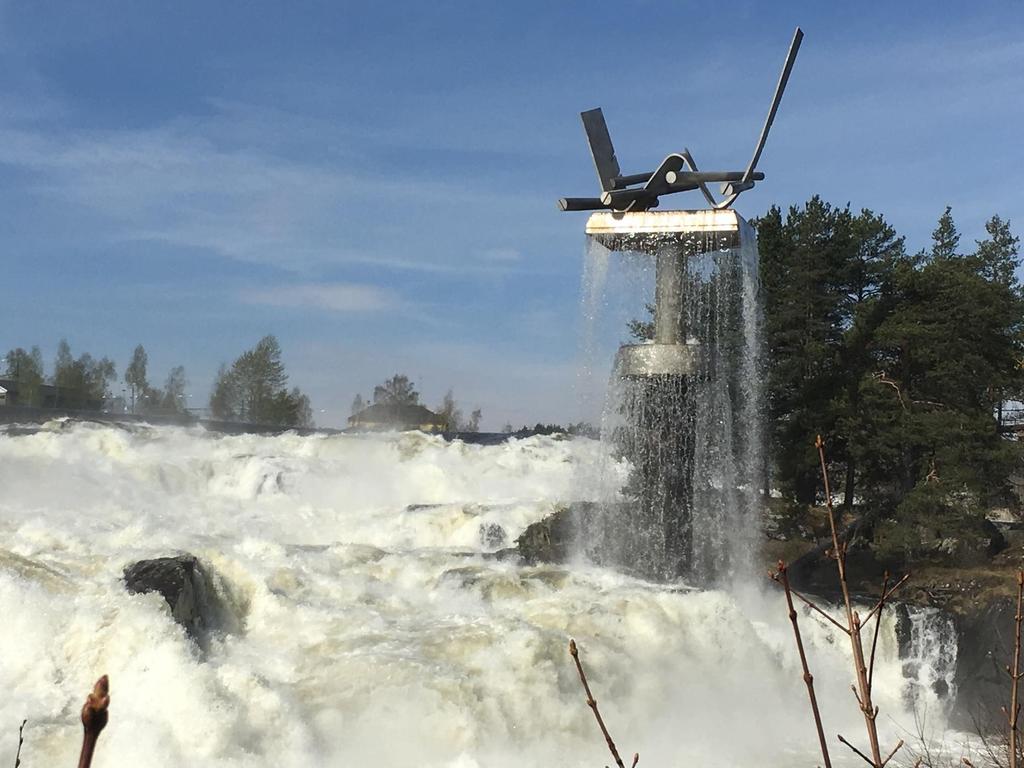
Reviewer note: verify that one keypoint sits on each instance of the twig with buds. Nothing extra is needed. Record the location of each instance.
(21, 740)
(853, 627)
(781, 576)
(592, 703)
(94, 719)
(1013, 713)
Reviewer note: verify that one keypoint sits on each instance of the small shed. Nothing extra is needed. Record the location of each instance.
(386, 417)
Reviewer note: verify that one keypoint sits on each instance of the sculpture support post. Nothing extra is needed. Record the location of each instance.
(668, 296)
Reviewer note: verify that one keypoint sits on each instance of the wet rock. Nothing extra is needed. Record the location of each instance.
(492, 536)
(508, 554)
(985, 640)
(610, 535)
(185, 585)
(551, 540)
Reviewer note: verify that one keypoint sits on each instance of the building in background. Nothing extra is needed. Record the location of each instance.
(396, 417)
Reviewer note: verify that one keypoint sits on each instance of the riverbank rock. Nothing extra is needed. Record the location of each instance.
(185, 585)
(985, 640)
(552, 539)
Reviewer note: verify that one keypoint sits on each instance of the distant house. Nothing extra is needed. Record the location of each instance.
(3, 396)
(47, 396)
(383, 417)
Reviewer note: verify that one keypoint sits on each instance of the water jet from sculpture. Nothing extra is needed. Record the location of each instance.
(685, 408)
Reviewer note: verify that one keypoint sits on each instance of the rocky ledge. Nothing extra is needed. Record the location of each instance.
(188, 588)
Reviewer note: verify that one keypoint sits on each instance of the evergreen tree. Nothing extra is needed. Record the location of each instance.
(998, 254)
(254, 389)
(26, 368)
(82, 383)
(289, 409)
(950, 342)
(260, 377)
(135, 374)
(63, 372)
(302, 410)
(172, 399)
(872, 252)
(357, 404)
(398, 390)
(902, 360)
(802, 277)
(945, 237)
(450, 413)
(225, 399)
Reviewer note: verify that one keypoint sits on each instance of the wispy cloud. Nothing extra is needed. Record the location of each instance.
(227, 185)
(332, 297)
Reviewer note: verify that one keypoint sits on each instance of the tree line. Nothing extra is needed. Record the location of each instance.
(87, 383)
(904, 360)
(252, 389)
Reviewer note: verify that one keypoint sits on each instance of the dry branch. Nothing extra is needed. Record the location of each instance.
(866, 759)
(21, 740)
(1013, 715)
(782, 576)
(878, 626)
(894, 751)
(864, 675)
(886, 594)
(864, 670)
(592, 703)
(810, 604)
(95, 714)
(881, 378)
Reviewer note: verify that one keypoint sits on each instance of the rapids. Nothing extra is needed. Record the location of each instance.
(372, 626)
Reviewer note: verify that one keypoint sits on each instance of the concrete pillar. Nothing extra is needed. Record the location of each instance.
(668, 296)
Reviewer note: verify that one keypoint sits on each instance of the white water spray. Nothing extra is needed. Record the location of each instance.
(694, 437)
(373, 627)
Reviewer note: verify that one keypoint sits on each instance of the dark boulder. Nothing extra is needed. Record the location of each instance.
(985, 641)
(185, 585)
(611, 535)
(552, 540)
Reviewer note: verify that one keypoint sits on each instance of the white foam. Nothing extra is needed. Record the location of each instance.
(372, 631)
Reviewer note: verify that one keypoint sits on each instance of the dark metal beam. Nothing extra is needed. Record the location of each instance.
(794, 48)
(677, 172)
(581, 204)
(601, 148)
(621, 182)
(706, 177)
(620, 199)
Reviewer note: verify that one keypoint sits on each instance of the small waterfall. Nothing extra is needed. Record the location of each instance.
(596, 260)
(728, 456)
(694, 441)
(927, 650)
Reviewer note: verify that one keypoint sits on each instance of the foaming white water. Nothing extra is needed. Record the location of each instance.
(372, 628)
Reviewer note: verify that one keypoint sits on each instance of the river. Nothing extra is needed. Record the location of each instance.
(371, 623)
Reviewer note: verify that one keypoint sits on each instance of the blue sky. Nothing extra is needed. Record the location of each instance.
(376, 183)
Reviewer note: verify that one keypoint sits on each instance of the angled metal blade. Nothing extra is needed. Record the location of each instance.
(794, 47)
(703, 187)
(601, 148)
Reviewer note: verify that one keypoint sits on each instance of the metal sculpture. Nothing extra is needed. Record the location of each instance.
(677, 173)
(686, 392)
